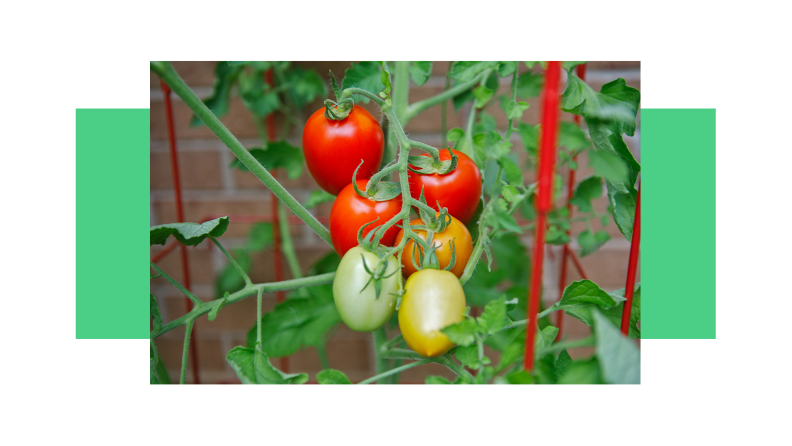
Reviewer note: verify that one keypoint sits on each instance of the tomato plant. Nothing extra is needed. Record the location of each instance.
(372, 227)
(458, 190)
(456, 231)
(334, 148)
(363, 304)
(351, 211)
(432, 301)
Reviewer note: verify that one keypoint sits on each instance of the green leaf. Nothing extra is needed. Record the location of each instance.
(213, 312)
(260, 236)
(614, 315)
(619, 358)
(158, 373)
(262, 104)
(511, 170)
(332, 376)
(507, 68)
(545, 337)
(465, 71)
(420, 72)
(472, 225)
(318, 197)
(482, 95)
(154, 311)
(556, 235)
(485, 374)
(217, 102)
(481, 288)
(364, 75)
(252, 366)
(493, 319)
(615, 102)
(570, 65)
(588, 189)
(512, 258)
(500, 219)
(572, 137)
(386, 81)
(436, 380)
(189, 234)
(514, 352)
(581, 297)
(460, 99)
(582, 372)
(455, 134)
(468, 356)
(590, 243)
(612, 167)
(296, 323)
(530, 138)
(277, 154)
(529, 85)
(306, 86)
(462, 333)
(562, 363)
(515, 110)
(517, 377)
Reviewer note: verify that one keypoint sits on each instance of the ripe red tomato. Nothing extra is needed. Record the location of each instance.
(351, 211)
(463, 247)
(333, 149)
(458, 190)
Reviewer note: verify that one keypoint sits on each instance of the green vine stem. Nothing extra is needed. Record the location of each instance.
(416, 108)
(514, 100)
(166, 72)
(186, 350)
(444, 108)
(382, 363)
(205, 307)
(287, 243)
(259, 294)
(185, 291)
(236, 265)
(396, 370)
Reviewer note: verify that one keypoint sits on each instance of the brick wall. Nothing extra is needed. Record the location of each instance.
(209, 187)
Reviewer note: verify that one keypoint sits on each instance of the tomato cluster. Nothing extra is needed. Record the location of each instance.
(366, 289)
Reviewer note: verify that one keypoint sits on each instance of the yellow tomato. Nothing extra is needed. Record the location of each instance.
(432, 300)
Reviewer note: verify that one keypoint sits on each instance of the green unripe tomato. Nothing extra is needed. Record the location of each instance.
(359, 307)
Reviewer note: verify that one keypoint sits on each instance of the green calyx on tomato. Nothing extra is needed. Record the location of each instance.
(376, 190)
(452, 248)
(350, 212)
(458, 190)
(366, 290)
(432, 300)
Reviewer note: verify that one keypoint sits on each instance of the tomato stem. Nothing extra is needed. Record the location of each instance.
(236, 265)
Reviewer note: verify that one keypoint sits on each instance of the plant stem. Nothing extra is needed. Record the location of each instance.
(258, 317)
(233, 262)
(416, 108)
(454, 367)
(287, 244)
(198, 303)
(168, 74)
(514, 100)
(186, 350)
(390, 372)
(245, 292)
(401, 88)
(380, 338)
(322, 352)
(444, 108)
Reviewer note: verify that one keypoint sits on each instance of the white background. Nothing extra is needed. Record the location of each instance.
(62, 56)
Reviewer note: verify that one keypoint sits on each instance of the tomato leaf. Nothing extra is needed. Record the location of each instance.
(614, 315)
(462, 98)
(556, 236)
(493, 319)
(332, 376)
(154, 312)
(507, 68)
(462, 333)
(587, 190)
(516, 377)
(217, 102)
(455, 134)
(298, 322)
(529, 85)
(252, 366)
(306, 86)
(436, 380)
(512, 258)
(530, 138)
(581, 297)
(318, 197)
(420, 72)
(581, 372)
(562, 363)
(572, 137)
(260, 236)
(275, 155)
(465, 71)
(189, 234)
(481, 288)
(590, 242)
(482, 95)
(364, 75)
(619, 358)
(157, 371)
(468, 356)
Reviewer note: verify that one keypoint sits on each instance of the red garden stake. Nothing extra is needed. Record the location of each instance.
(276, 237)
(632, 267)
(544, 201)
(581, 73)
(180, 218)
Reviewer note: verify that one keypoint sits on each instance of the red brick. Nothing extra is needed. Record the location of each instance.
(238, 120)
(195, 74)
(197, 170)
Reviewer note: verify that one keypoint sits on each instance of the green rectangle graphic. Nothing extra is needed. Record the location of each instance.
(112, 221)
(678, 219)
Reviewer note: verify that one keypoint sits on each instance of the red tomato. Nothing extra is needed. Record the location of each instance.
(458, 190)
(333, 149)
(351, 211)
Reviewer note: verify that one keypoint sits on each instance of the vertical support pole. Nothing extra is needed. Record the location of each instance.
(581, 73)
(276, 229)
(632, 267)
(166, 91)
(544, 202)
